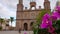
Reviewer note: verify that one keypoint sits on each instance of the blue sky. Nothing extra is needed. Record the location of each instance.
(8, 8)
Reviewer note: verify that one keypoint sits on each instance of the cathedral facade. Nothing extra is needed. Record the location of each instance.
(26, 18)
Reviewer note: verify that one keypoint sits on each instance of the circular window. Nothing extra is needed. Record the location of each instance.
(32, 15)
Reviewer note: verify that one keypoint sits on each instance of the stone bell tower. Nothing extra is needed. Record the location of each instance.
(32, 4)
(19, 14)
(58, 3)
(20, 5)
(46, 4)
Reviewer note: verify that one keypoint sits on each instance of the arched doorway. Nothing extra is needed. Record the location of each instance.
(31, 26)
(25, 26)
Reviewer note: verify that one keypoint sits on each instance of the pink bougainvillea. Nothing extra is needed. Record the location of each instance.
(46, 21)
(56, 13)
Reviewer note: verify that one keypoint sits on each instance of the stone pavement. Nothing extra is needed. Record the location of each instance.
(26, 32)
(16, 32)
(9, 32)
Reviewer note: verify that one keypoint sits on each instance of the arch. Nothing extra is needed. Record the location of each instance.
(25, 26)
(33, 8)
(31, 25)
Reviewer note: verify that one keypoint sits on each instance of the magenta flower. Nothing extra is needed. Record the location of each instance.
(46, 22)
(46, 16)
(58, 8)
(54, 17)
(57, 12)
(52, 30)
(25, 33)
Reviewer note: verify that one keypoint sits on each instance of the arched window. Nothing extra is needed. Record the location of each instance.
(25, 26)
(31, 26)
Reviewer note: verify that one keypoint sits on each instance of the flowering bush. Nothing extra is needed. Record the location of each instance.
(50, 23)
(47, 23)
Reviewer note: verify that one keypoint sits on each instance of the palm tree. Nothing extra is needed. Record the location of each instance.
(1, 21)
(11, 19)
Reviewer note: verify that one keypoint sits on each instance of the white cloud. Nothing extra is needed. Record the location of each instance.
(53, 3)
(4, 12)
(8, 8)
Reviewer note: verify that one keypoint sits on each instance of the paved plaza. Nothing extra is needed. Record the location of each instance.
(16, 32)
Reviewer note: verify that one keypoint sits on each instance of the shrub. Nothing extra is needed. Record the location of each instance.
(0, 28)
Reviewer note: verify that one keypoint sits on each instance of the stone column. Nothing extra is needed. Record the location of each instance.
(28, 27)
